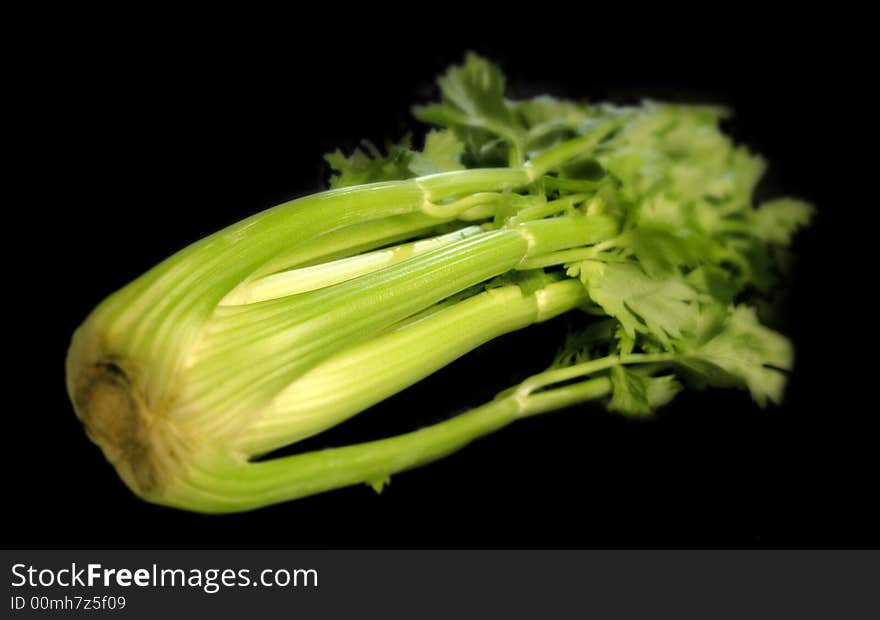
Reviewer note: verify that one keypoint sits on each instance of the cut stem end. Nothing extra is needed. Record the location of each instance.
(116, 419)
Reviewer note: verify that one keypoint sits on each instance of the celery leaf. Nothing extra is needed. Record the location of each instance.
(638, 394)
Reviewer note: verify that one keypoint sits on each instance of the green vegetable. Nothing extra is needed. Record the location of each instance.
(283, 325)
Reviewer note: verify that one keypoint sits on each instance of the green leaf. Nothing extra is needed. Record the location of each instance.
(674, 148)
(550, 120)
(736, 350)
(683, 172)
(776, 221)
(625, 342)
(370, 166)
(661, 211)
(714, 281)
(744, 171)
(595, 340)
(442, 153)
(543, 109)
(661, 253)
(757, 263)
(379, 484)
(473, 97)
(638, 394)
(663, 308)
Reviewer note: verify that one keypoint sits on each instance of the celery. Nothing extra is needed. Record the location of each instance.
(298, 318)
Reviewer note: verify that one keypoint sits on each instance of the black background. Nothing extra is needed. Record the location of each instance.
(148, 139)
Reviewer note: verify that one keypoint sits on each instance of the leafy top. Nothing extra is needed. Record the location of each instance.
(688, 250)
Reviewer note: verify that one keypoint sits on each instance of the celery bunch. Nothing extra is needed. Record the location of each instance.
(297, 318)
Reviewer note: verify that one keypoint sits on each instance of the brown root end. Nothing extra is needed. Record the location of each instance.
(115, 418)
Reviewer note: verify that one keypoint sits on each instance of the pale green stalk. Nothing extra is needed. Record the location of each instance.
(313, 277)
(361, 376)
(351, 240)
(169, 382)
(226, 483)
